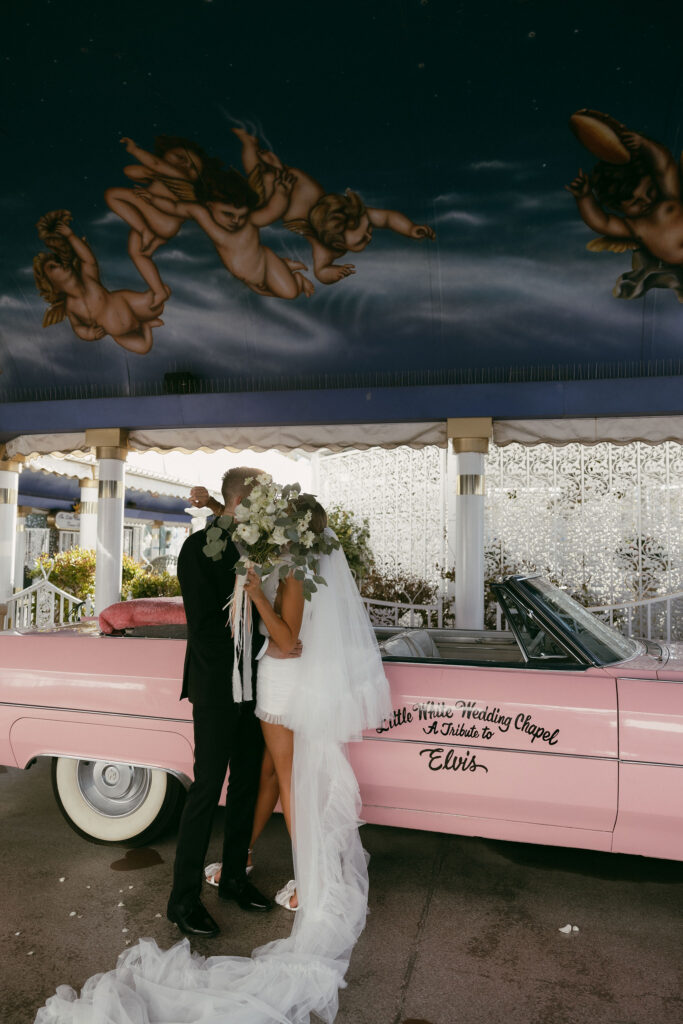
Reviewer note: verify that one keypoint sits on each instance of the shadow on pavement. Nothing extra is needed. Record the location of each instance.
(618, 867)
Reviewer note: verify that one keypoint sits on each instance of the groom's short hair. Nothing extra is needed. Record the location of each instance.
(235, 482)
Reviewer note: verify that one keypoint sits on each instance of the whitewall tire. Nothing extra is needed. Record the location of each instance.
(109, 802)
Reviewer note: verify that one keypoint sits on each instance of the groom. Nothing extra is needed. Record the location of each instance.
(225, 733)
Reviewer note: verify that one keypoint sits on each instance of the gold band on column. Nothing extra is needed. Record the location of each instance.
(8, 495)
(469, 483)
(111, 489)
(88, 508)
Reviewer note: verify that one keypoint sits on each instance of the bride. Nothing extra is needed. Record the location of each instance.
(310, 708)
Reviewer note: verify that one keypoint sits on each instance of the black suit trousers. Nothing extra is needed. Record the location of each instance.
(225, 736)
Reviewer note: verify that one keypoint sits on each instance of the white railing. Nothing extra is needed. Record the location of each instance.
(654, 618)
(394, 613)
(165, 563)
(42, 604)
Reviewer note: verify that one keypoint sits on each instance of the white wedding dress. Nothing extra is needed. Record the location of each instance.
(340, 690)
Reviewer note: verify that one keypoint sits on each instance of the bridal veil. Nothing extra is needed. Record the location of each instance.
(341, 691)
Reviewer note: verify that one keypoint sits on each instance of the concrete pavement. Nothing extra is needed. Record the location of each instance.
(461, 931)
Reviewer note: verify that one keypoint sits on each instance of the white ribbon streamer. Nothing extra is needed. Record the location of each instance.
(240, 622)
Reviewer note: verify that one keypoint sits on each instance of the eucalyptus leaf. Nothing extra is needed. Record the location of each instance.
(319, 579)
(214, 549)
(283, 572)
(240, 569)
(299, 574)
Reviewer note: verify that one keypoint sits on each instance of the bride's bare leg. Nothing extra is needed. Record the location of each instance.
(268, 793)
(280, 745)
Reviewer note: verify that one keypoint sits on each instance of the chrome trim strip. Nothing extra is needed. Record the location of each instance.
(651, 764)
(180, 776)
(86, 711)
(436, 742)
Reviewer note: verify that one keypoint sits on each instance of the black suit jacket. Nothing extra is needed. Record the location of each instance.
(206, 586)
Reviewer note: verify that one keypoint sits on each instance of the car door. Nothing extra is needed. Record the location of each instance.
(523, 751)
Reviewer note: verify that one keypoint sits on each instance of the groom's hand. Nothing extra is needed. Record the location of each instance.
(200, 498)
(273, 651)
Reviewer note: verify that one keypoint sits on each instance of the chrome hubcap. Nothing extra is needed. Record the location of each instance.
(113, 789)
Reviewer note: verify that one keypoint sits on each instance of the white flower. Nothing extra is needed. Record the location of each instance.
(302, 524)
(307, 539)
(278, 536)
(241, 514)
(248, 532)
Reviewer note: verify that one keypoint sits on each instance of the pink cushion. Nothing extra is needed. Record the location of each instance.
(142, 611)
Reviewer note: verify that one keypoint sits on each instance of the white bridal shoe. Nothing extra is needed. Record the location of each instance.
(284, 896)
(211, 870)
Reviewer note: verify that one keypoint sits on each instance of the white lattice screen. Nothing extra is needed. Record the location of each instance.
(605, 518)
(402, 494)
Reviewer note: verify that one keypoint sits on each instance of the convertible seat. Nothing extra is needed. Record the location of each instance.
(413, 643)
(142, 611)
(424, 644)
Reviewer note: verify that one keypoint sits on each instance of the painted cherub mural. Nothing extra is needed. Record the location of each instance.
(68, 278)
(178, 182)
(228, 211)
(632, 198)
(332, 223)
(170, 172)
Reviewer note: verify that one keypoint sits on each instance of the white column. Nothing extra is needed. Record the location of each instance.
(451, 480)
(110, 449)
(466, 514)
(20, 547)
(9, 494)
(469, 540)
(88, 514)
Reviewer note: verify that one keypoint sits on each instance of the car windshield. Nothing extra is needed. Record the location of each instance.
(602, 642)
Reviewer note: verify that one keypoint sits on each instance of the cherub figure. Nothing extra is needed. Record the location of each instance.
(171, 172)
(226, 212)
(333, 224)
(635, 204)
(68, 279)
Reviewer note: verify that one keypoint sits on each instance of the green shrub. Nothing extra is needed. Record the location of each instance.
(396, 585)
(354, 537)
(155, 585)
(401, 587)
(74, 572)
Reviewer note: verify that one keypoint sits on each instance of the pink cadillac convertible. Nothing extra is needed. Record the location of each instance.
(558, 731)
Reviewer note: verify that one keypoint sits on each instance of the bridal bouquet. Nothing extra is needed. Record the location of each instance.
(271, 530)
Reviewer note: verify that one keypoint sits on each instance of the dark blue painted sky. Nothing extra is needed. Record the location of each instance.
(455, 113)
